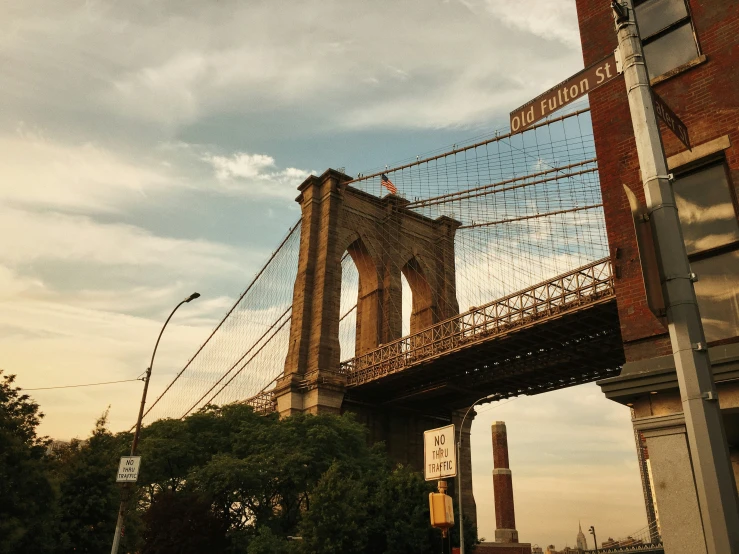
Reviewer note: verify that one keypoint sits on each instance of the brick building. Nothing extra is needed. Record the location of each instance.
(692, 54)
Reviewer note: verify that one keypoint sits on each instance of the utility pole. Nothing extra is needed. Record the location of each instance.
(595, 540)
(714, 481)
(137, 432)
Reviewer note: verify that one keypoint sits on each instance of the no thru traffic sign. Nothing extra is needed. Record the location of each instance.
(128, 469)
(440, 460)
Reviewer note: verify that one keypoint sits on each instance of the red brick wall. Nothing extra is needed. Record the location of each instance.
(705, 97)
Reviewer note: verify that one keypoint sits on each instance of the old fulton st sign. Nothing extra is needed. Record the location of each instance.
(564, 93)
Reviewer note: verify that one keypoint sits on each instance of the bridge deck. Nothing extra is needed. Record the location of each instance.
(531, 341)
(556, 334)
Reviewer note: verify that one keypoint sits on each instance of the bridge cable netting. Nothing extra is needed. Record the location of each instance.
(528, 207)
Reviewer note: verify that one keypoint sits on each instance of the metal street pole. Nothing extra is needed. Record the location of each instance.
(459, 470)
(714, 481)
(595, 540)
(135, 443)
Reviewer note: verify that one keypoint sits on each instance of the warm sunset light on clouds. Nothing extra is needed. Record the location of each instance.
(149, 150)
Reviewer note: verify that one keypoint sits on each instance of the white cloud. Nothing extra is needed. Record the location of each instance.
(543, 18)
(40, 171)
(237, 59)
(241, 165)
(251, 174)
(28, 237)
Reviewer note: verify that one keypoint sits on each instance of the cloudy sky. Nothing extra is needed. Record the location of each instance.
(149, 149)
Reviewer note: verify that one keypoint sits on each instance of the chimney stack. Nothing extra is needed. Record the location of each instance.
(505, 518)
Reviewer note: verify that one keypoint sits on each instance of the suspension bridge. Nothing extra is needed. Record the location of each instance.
(507, 227)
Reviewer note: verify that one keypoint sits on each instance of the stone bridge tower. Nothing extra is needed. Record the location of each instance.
(385, 239)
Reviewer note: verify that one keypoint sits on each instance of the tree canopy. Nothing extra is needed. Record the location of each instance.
(223, 480)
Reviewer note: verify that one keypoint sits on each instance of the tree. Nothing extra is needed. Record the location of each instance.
(401, 524)
(266, 542)
(26, 492)
(338, 519)
(89, 496)
(183, 522)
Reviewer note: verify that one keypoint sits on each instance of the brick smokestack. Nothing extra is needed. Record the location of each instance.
(505, 518)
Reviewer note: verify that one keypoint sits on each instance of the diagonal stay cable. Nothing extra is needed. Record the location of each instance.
(250, 359)
(237, 362)
(256, 278)
(465, 148)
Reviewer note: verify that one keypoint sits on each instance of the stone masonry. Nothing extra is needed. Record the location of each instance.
(384, 240)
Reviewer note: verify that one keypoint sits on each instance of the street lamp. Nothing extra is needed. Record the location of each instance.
(459, 469)
(595, 541)
(135, 443)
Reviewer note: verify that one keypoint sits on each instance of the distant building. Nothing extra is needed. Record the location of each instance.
(537, 550)
(566, 550)
(582, 542)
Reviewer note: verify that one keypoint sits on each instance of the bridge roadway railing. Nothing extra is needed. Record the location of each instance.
(565, 293)
(263, 402)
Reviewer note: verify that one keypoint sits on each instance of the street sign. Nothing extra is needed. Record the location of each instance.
(128, 469)
(669, 118)
(439, 455)
(565, 92)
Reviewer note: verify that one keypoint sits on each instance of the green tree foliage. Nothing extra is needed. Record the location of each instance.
(224, 481)
(183, 522)
(89, 497)
(338, 520)
(26, 493)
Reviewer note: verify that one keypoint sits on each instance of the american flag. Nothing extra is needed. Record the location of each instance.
(388, 184)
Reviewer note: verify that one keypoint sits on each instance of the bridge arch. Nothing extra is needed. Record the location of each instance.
(422, 302)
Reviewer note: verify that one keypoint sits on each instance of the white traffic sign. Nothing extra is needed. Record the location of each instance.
(440, 459)
(128, 469)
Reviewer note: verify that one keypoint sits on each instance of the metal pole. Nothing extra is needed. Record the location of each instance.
(714, 480)
(459, 471)
(135, 443)
(459, 486)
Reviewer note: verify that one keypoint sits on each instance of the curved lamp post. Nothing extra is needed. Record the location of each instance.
(459, 469)
(135, 443)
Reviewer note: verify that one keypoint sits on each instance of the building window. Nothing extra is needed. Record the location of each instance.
(708, 217)
(706, 208)
(717, 291)
(667, 34)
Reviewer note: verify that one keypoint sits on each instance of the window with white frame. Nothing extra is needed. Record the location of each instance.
(667, 34)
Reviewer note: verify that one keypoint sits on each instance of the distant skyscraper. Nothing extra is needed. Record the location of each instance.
(582, 542)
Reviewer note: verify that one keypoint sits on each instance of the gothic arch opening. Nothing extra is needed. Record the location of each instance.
(422, 312)
(363, 286)
(348, 307)
(407, 307)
